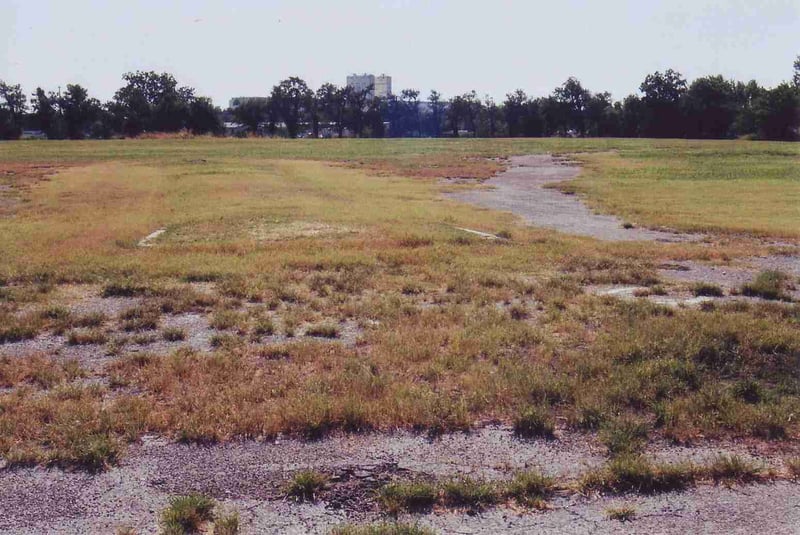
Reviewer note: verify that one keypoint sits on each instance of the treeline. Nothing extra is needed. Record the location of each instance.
(148, 102)
(667, 105)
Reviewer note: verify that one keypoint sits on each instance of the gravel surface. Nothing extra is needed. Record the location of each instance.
(521, 190)
(250, 476)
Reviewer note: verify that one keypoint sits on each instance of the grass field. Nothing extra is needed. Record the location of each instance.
(341, 294)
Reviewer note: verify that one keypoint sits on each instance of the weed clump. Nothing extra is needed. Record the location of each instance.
(624, 436)
(85, 338)
(733, 469)
(407, 496)
(382, 529)
(323, 330)
(187, 514)
(125, 288)
(306, 486)
(622, 514)
(534, 422)
(707, 289)
(264, 327)
(468, 492)
(140, 318)
(636, 474)
(173, 334)
(771, 285)
(531, 489)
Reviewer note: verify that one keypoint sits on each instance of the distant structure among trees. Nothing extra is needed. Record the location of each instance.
(666, 105)
(381, 86)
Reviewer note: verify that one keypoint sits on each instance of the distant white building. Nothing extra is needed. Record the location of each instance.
(381, 85)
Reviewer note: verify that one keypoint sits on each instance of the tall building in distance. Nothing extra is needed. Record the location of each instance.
(382, 85)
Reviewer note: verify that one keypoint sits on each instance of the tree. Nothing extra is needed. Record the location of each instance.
(152, 102)
(745, 96)
(357, 103)
(78, 110)
(662, 104)
(47, 114)
(410, 112)
(331, 101)
(204, 117)
(491, 117)
(777, 113)
(710, 106)
(796, 76)
(251, 113)
(436, 113)
(573, 99)
(632, 116)
(601, 120)
(12, 110)
(289, 98)
(515, 108)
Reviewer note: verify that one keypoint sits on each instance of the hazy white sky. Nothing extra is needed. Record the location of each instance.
(243, 47)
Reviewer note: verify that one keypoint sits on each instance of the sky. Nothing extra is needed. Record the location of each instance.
(243, 47)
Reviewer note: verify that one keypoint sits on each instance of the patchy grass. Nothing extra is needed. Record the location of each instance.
(444, 344)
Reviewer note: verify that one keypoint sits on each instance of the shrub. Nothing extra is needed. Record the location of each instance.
(534, 422)
(531, 488)
(468, 492)
(187, 514)
(768, 285)
(407, 496)
(306, 485)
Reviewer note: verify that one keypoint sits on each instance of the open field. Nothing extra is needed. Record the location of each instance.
(236, 296)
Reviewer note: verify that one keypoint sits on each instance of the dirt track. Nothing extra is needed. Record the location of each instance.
(521, 190)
